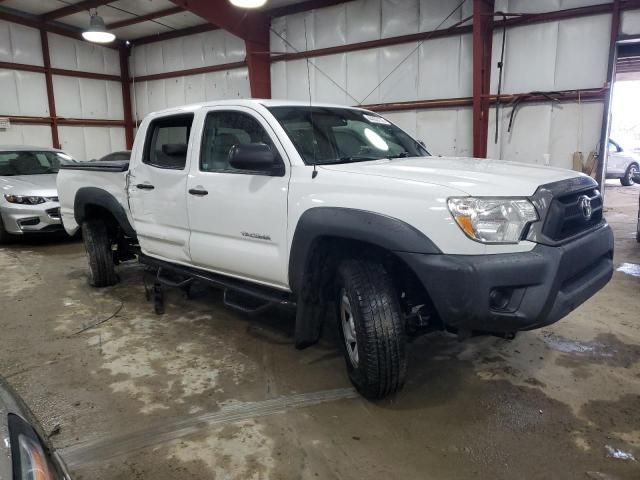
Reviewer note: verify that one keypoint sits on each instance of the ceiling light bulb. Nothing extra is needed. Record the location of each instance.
(248, 3)
(97, 31)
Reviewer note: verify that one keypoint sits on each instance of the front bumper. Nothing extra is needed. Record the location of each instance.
(516, 291)
(41, 218)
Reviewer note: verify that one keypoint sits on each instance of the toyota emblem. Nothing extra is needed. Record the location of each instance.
(584, 203)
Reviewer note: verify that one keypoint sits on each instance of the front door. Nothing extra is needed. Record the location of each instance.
(157, 189)
(238, 218)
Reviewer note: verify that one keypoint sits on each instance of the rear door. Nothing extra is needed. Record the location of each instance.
(238, 219)
(157, 189)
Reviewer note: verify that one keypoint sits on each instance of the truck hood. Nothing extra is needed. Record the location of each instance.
(42, 185)
(474, 176)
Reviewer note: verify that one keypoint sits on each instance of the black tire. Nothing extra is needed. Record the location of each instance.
(381, 365)
(100, 255)
(5, 237)
(627, 180)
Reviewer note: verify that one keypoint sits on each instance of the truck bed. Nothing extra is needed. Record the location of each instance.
(109, 177)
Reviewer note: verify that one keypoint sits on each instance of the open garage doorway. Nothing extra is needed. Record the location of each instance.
(623, 159)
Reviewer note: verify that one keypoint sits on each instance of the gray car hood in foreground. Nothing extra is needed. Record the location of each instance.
(41, 185)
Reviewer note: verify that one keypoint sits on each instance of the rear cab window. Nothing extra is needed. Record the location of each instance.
(167, 142)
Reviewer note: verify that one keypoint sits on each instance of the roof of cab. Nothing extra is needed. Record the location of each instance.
(247, 103)
(27, 148)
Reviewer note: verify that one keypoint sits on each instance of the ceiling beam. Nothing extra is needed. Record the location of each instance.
(75, 8)
(156, 37)
(303, 7)
(144, 18)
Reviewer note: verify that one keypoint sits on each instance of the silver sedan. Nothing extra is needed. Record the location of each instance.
(28, 193)
(25, 451)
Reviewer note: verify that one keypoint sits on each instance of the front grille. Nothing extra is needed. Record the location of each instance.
(54, 213)
(567, 218)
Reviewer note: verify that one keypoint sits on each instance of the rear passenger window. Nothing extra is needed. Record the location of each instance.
(167, 140)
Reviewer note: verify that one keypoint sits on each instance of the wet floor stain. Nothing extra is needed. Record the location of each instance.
(632, 269)
(566, 345)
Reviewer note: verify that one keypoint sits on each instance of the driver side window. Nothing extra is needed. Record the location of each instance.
(223, 131)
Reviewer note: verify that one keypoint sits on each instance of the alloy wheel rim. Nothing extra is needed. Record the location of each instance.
(348, 328)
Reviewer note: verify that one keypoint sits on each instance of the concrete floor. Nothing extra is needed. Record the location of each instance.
(204, 392)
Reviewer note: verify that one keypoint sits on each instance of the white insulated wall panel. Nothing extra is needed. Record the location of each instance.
(362, 20)
(18, 134)
(539, 129)
(439, 68)
(23, 93)
(541, 6)
(631, 22)
(444, 131)
(20, 44)
(86, 143)
(565, 55)
(154, 95)
(87, 98)
(201, 50)
(71, 54)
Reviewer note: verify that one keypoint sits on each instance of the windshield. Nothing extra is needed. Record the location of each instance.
(342, 135)
(32, 162)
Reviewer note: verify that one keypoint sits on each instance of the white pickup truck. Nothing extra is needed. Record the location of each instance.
(339, 213)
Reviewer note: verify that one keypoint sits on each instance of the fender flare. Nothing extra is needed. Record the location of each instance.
(377, 229)
(96, 196)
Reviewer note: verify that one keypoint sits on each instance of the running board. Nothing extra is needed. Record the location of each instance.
(265, 295)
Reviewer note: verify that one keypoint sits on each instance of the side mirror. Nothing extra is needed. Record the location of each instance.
(257, 157)
(174, 149)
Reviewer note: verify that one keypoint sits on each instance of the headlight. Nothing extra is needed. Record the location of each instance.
(493, 220)
(30, 457)
(26, 199)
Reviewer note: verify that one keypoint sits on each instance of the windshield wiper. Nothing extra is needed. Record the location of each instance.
(352, 159)
(404, 154)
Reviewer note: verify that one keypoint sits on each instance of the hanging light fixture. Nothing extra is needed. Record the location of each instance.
(248, 3)
(97, 32)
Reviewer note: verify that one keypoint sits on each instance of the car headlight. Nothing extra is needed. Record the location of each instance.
(25, 199)
(30, 457)
(493, 220)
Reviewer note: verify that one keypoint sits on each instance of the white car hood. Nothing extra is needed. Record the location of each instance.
(42, 185)
(474, 176)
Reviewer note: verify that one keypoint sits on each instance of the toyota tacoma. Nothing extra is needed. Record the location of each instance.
(341, 214)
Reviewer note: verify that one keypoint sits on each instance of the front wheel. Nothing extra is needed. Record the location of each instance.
(627, 180)
(100, 255)
(371, 328)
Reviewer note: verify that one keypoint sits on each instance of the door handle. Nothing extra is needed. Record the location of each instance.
(198, 192)
(145, 186)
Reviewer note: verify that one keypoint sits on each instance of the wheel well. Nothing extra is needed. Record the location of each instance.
(92, 211)
(327, 252)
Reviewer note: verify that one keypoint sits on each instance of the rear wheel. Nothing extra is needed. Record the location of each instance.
(100, 255)
(627, 180)
(371, 328)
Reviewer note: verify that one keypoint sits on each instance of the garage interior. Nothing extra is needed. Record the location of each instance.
(203, 391)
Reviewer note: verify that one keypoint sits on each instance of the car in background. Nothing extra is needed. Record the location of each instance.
(621, 164)
(28, 193)
(25, 452)
(636, 179)
(114, 157)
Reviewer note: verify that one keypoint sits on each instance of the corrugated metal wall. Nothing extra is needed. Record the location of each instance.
(24, 93)
(194, 51)
(560, 55)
